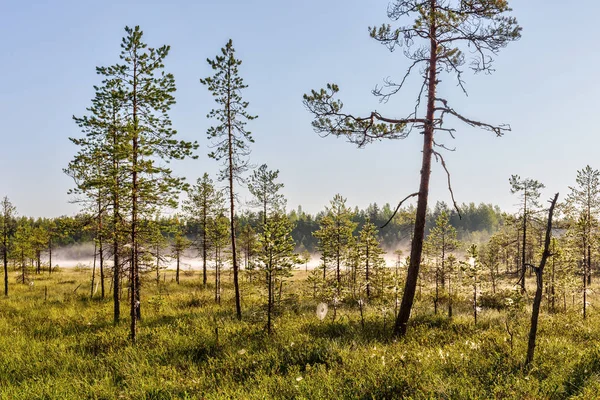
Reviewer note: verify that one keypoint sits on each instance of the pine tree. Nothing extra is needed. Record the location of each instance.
(490, 260)
(371, 253)
(39, 242)
(529, 191)
(143, 94)
(439, 39)
(156, 244)
(335, 236)
(249, 244)
(23, 248)
(99, 172)
(179, 246)
(584, 202)
(218, 233)
(263, 186)
(8, 227)
(440, 243)
(277, 257)
(203, 202)
(230, 137)
(472, 271)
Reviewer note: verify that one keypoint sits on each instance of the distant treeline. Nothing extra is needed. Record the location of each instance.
(474, 220)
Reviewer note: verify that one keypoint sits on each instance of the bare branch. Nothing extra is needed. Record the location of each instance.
(438, 155)
(397, 208)
(384, 97)
(499, 130)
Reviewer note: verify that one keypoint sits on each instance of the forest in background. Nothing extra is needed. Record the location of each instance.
(476, 224)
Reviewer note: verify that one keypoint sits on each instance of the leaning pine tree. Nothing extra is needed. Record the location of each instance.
(442, 34)
(230, 137)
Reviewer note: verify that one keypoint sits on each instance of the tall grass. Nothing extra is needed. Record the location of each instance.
(57, 343)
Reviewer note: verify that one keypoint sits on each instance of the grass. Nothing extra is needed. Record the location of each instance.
(66, 347)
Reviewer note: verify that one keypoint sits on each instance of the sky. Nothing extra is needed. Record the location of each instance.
(543, 86)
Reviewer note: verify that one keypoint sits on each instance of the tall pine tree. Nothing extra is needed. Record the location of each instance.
(230, 138)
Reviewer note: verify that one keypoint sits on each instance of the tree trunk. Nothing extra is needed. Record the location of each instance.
(584, 264)
(537, 300)
(523, 267)
(367, 278)
(50, 255)
(419, 230)
(23, 267)
(5, 259)
(437, 293)
(475, 300)
(5, 252)
(589, 263)
(217, 276)
(449, 295)
(236, 286)
(337, 270)
(157, 265)
(270, 301)
(101, 256)
(115, 220)
(552, 289)
(204, 243)
(134, 213)
(177, 273)
(93, 271)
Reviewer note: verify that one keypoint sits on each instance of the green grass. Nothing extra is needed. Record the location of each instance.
(66, 347)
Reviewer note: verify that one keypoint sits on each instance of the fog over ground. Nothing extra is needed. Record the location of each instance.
(83, 255)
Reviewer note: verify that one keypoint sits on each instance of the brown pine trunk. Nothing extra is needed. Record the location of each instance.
(5, 259)
(134, 312)
(449, 294)
(204, 243)
(115, 220)
(419, 230)
(475, 299)
(584, 264)
(101, 256)
(157, 265)
(236, 286)
(217, 275)
(270, 301)
(50, 254)
(367, 273)
(177, 273)
(436, 299)
(93, 271)
(523, 267)
(23, 267)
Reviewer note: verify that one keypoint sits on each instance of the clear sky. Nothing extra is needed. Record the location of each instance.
(545, 86)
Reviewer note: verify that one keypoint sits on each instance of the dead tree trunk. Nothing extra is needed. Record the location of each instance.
(539, 271)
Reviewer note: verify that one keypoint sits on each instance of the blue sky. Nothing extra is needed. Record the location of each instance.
(544, 86)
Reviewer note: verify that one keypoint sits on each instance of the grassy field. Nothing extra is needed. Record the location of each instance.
(60, 344)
